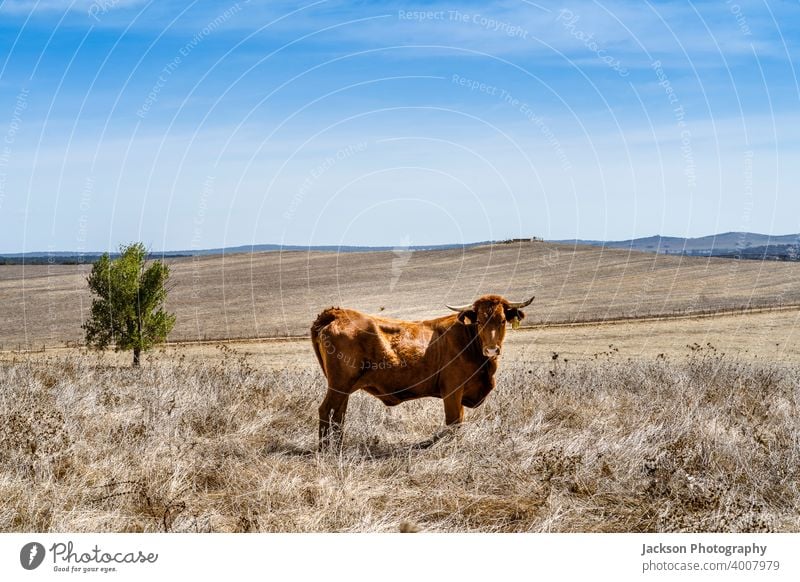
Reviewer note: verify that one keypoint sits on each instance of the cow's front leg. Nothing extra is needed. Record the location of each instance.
(453, 416)
(453, 409)
(331, 418)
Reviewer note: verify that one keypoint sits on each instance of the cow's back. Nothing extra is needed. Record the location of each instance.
(345, 339)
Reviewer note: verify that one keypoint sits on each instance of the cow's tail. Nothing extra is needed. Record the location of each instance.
(322, 320)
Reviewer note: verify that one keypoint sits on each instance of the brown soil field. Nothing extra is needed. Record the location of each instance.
(278, 294)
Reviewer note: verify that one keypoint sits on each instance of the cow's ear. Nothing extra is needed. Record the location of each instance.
(514, 313)
(468, 317)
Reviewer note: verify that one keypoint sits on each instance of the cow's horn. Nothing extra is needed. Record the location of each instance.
(521, 303)
(459, 308)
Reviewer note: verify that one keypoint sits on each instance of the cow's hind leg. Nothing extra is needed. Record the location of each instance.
(331, 418)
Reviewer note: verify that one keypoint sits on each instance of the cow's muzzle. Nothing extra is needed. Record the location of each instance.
(491, 352)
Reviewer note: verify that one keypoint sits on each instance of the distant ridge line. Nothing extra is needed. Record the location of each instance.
(745, 245)
(247, 249)
(726, 241)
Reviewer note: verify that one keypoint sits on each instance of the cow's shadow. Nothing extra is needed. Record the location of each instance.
(362, 451)
(378, 452)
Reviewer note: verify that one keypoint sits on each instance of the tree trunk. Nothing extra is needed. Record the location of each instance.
(136, 353)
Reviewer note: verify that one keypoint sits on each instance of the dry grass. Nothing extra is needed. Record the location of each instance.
(273, 294)
(690, 443)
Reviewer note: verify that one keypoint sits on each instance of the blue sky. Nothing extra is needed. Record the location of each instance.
(204, 124)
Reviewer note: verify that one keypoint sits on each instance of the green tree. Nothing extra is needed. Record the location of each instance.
(128, 307)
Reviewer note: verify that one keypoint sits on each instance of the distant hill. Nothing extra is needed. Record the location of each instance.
(746, 245)
(740, 245)
(72, 258)
(764, 253)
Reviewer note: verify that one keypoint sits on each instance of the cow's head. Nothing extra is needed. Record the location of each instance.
(489, 315)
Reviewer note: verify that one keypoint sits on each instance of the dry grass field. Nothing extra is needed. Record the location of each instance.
(680, 424)
(692, 443)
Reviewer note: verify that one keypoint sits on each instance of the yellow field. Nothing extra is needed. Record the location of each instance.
(768, 336)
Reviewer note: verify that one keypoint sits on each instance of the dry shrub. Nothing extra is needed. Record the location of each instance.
(689, 444)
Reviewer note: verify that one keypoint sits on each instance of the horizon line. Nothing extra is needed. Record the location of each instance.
(380, 247)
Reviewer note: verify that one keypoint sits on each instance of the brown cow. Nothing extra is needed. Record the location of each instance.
(453, 358)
